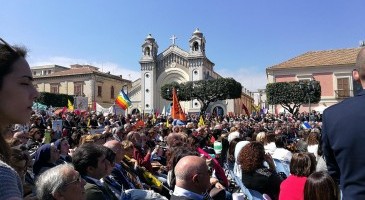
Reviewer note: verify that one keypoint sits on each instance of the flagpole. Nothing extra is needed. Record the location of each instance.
(127, 95)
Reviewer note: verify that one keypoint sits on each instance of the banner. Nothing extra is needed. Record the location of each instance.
(177, 112)
(81, 103)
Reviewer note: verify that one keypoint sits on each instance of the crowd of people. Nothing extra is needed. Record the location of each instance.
(148, 157)
(152, 157)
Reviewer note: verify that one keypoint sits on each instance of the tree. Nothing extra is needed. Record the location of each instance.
(205, 91)
(291, 95)
(56, 100)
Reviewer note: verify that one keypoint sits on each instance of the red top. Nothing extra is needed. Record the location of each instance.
(142, 160)
(292, 188)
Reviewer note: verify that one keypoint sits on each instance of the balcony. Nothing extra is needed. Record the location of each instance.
(343, 94)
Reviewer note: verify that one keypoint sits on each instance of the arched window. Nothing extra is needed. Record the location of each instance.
(195, 46)
(135, 111)
(147, 51)
(112, 92)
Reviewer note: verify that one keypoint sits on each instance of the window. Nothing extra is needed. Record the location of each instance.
(34, 73)
(78, 90)
(343, 87)
(55, 88)
(49, 71)
(112, 92)
(195, 46)
(99, 91)
(147, 51)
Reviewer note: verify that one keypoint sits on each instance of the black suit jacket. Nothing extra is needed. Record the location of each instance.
(95, 192)
(343, 140)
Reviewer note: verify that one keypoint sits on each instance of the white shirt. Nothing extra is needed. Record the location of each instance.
(282, 154)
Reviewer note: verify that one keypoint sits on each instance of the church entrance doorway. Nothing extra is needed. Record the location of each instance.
(218, 111)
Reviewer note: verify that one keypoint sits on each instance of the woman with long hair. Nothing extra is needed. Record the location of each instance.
(255, 175)
(320, 186)
(17, 94)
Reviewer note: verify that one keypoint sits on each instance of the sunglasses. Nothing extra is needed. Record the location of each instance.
(7, 45)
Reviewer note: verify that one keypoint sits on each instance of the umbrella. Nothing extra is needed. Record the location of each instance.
(39, 106)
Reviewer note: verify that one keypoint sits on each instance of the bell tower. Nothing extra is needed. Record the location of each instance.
(148, 74)
(197, 43)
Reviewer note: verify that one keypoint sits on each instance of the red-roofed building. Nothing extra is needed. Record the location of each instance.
(80, 80)
(332, 68)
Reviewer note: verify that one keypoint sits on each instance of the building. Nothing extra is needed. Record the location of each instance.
(332, 68)
(80, 80)
(177, 65)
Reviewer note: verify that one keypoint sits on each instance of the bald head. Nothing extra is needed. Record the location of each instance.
(359, 73)
(188, 166)
(116, 147)
(192, 174)
(112, 144)
(360, 61)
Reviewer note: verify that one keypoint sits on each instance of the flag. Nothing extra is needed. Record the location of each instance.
(306, 125)
(123, 101)
(201, 121)
(177, 112)
(69, 105)
(245, 109)
(163, 110)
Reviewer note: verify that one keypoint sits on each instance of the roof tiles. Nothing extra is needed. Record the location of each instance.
(321, 58)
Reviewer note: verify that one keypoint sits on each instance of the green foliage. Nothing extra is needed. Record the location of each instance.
(291, 95)
(206, 91)
(55, 100)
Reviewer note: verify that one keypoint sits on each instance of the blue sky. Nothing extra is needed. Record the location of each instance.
(243, 37)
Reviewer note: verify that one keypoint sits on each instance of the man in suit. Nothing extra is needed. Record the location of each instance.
(192, 179)
(343, 139)
(90, 160)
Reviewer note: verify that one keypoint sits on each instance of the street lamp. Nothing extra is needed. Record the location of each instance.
(309, 89)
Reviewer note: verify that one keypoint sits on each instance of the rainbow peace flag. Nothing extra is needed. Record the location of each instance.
(123, 101)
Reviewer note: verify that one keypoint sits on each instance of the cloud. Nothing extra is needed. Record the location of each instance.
(111, 67)
(249, 77)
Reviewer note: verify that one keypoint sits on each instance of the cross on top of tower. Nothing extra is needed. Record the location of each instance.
(173, 39)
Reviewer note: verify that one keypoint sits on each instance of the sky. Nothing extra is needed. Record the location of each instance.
(243, 37)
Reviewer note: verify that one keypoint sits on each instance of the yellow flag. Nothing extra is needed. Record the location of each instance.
(69, 105)
(201, 121)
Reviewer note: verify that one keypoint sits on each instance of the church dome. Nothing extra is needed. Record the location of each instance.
(150, 38)
(197, 32)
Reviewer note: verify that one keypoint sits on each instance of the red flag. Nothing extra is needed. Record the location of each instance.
(246, 110)
(177, 112)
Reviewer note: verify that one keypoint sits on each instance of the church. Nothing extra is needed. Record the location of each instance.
(177, 65)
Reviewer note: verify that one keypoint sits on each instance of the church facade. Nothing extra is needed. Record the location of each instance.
(177, 65)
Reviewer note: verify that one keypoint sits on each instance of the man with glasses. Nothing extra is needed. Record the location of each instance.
(192, 179)
(60, 182)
